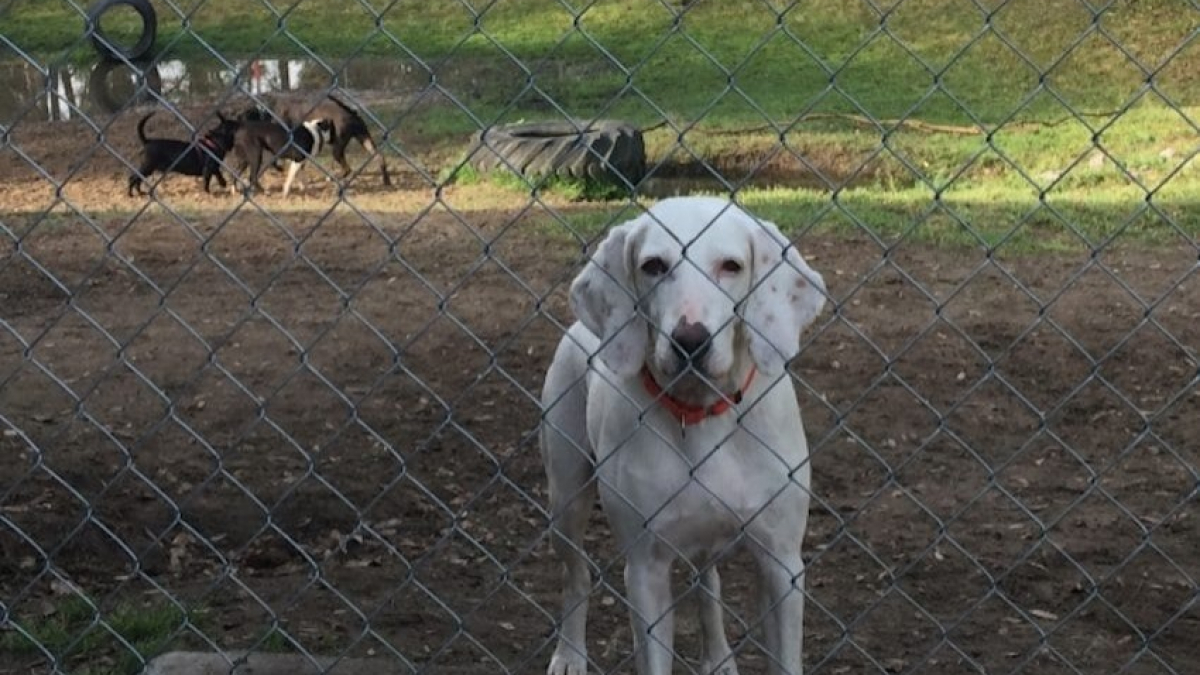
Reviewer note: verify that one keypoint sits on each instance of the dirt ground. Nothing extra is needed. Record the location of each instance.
(327, 419)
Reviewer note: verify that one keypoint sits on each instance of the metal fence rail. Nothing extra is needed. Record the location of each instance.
(308, 425)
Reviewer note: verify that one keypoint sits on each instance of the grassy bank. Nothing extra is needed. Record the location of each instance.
(1039, 116)
(717, 60)
(999, 221)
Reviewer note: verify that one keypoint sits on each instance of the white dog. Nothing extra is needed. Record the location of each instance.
(687, 422)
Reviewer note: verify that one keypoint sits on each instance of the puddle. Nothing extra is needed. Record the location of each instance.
(36, 92)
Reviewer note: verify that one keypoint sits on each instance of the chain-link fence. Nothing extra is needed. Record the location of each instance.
(308, 424)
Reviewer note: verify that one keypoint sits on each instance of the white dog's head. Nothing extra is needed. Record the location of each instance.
(699, 282)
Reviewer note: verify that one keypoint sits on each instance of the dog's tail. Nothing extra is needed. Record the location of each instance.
(342, 104)
(142, 127)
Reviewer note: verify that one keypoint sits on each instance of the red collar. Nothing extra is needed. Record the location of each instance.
(687, 413)
(209, 143)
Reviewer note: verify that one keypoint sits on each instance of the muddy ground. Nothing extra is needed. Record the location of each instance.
(326, 418)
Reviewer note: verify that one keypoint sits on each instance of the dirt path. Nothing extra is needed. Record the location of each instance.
(332, 425)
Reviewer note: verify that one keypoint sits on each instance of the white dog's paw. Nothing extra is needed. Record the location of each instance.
(567, 661)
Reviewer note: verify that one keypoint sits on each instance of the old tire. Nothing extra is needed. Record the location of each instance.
(114, 52)
(604, 150)
(148, 82)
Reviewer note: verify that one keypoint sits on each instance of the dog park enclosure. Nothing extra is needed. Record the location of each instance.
(308, 425)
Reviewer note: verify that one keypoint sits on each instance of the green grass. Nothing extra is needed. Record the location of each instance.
(85, 638)
(89, 640)
(273, 641)
(110, 641)
(712, 60)
(276, 640)
(986, 220)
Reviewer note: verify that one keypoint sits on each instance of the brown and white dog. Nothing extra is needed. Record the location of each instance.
(348, 124)
(257, 137)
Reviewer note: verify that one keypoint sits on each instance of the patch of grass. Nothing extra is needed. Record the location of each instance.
(731, 62)
(103, 641)
(581, 189)
(981, 219)
(273, 641)
(797, 105)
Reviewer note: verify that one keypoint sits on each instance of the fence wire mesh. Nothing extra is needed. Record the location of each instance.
(248, 423)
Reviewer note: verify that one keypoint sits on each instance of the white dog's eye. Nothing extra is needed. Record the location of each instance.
(654, 267)
(731, 266)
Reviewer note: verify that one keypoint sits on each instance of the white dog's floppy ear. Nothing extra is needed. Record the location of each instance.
(605, 300)
(786, 297)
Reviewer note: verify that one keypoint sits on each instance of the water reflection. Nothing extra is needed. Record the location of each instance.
(33, 92)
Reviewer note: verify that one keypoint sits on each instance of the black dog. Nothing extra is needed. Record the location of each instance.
(348, 124)
(258, 135)
(192, 158)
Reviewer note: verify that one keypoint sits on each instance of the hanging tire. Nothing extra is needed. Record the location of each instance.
(110, 50)
(605, 150)
(106, 98)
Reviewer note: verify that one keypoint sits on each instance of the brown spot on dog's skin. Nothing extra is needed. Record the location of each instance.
(801, 283)
(770, 319)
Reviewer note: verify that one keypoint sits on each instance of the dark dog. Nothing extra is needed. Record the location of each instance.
(348, 124)
(257, 136)
(192, 158)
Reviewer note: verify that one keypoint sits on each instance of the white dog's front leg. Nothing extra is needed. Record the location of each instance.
(292, 172)
(648, 584)
(783, 618)
(717, 657)
(570, 654)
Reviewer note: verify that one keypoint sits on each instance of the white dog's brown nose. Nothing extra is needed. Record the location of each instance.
(690, 341)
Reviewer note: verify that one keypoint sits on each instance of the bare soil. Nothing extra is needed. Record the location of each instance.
(325, 417)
